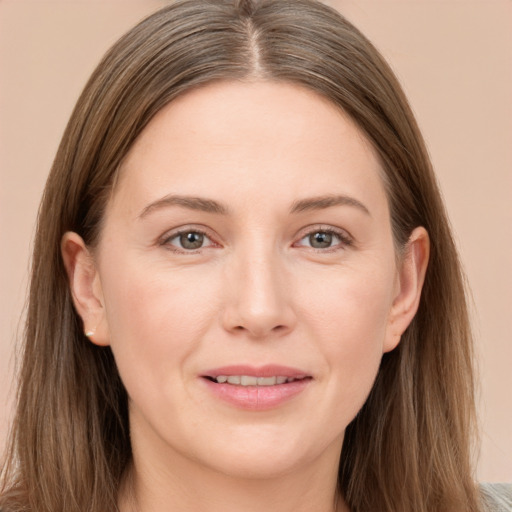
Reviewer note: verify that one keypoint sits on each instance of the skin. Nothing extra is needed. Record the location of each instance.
(255, 293)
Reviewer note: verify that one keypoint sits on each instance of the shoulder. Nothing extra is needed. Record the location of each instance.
(496, 497)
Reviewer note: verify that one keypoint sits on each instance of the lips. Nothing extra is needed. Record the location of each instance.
(251, 380)
(256, 388)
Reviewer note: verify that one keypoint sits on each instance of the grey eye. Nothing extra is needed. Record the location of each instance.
(191, 240)
(188, 240)
(324, 239)
(321, 239)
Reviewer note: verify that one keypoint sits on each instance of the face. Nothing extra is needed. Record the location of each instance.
(246, 279)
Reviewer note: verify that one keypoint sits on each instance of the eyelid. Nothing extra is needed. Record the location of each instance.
(165, 239)
(346, 238)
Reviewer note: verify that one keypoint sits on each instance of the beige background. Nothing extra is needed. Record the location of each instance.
(455, 61)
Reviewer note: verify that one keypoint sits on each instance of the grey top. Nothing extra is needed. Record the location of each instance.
(497, 497)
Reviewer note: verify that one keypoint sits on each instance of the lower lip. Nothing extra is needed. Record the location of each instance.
(257, 398)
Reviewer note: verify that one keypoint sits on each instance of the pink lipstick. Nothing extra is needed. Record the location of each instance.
(256, 388)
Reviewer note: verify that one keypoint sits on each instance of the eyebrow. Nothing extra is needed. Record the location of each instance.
(323, 202)
(190, 202)
(212, 206)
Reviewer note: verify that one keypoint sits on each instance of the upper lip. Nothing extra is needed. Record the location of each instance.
(269, 370)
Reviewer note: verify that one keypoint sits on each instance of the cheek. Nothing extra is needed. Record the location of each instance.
(156, 318)
(350, 317)
(351, 305)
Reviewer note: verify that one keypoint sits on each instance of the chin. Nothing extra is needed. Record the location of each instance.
(269, 457)
(260, 467)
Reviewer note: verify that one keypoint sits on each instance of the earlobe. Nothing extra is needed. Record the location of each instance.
(85, 287)
(411, 276)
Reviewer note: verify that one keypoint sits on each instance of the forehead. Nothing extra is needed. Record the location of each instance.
(236, 138)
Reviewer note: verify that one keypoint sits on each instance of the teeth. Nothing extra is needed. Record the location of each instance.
(267, 381)
(245, 380)
(249, 380)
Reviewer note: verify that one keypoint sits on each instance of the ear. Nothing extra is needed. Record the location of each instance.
(85, 286)
(410, 279)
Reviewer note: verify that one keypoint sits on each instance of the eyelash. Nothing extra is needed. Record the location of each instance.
(344, 240)
(167, 240)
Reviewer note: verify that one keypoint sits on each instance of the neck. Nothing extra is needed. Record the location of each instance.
(181, 484)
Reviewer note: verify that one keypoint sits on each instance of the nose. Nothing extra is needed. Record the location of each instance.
(259, 297)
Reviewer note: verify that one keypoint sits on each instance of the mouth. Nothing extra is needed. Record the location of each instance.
(252, 380)
(256, 389)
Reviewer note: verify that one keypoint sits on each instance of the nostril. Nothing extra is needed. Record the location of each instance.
(259, 331)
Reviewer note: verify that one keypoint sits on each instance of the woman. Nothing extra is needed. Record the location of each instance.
(244, 286)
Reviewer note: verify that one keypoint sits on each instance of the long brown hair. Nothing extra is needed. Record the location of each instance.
(409, 447)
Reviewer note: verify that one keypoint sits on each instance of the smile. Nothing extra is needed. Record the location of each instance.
(250, 380)
(256, 389)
